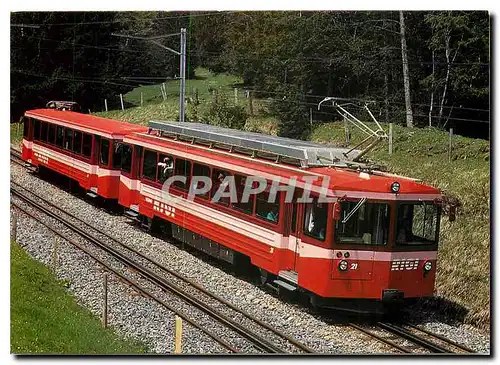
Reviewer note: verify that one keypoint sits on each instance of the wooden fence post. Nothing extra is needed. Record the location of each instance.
(311, 116)
(178, 335)
(121, 100)
(250, 102)
(235, 96)
(165, 90)
(14, 225)
(106, 104)
(105, 300)
(390, 138)
(347, 133)
(54, 256)
(450, 145)
(141, 98)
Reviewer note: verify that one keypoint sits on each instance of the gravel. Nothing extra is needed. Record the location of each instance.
(134, 316)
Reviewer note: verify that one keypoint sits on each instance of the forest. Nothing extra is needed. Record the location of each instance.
(415, 68)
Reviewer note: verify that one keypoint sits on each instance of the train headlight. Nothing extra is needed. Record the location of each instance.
(343, 265)
(395, 187)
(428, 266)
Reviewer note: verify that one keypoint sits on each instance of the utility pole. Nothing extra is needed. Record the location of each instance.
(182, 56)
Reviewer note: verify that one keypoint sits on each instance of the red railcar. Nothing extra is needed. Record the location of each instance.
(80, 146)
(374, 241)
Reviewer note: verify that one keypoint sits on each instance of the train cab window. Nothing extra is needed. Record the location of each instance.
(149, 165)
(68, 139)
(363, 222)
(87, 145)
(104, 152)
(43, 131)
(60, 136)
(417, 224)
(117, 155)
(165, 168)
(126, 158)
(315, 219)
(51, 137)
(269, 211)
(245, 207)
(182, 168)
(77, 142)
(36, 134)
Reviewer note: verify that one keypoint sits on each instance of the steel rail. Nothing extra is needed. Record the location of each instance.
(186, 280)
(442, 338)
(381, 339)
(259, 342)
(131, 282)
(428, 345)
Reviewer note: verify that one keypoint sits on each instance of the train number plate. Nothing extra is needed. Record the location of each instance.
(404, 264)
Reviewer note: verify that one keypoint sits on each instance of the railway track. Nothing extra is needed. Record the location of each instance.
(240, 323)
(411, 339)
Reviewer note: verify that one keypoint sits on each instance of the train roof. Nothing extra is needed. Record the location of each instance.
(375, 184)
(305, 153)
(89, 123)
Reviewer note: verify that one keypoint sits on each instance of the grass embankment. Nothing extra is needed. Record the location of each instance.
(464, 251)
(45, 319)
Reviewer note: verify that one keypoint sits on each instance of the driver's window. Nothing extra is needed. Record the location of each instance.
(315, 219)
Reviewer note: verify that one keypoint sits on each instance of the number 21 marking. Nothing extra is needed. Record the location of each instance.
(354, 266)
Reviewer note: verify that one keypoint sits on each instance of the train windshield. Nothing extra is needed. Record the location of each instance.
(417, 223)
(363, 222)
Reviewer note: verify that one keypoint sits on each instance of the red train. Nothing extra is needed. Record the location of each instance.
(361, 239)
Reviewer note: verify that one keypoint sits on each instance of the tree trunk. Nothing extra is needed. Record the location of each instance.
(432, 90)
(448, 68)
(406, 72)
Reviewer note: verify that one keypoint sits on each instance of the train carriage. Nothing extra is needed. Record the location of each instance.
(80, 146)
(376, 239)
(360, 239)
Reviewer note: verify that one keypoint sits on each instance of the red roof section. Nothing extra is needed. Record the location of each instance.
(340, 179)
(97, 124)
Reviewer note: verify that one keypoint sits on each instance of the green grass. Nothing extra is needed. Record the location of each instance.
(16, 132)
(45, 319)
(464, 252)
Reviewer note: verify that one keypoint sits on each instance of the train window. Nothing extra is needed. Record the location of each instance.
(43, 131)
(149, 166)
(269, 211)
(315, 219)
(104, 152)
(363, 223)
(245, 207)
(87, 145)
(417, 224)
(26, 126)
(36, 134)
(68, 139)
(77, 142)
(218, 178)
(165, 168)
(117, 155)
(59, 136)
(182, 168)
(51, 137)
(126, 158)
(201, 170)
